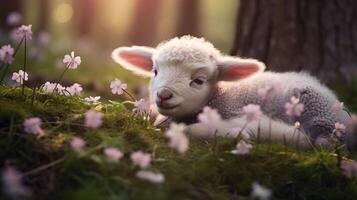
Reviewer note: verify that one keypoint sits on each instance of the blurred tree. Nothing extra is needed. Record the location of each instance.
(44, 15)
(84, 16)
(145, 22)
(6, 7)
(319, 36)
(188, 18)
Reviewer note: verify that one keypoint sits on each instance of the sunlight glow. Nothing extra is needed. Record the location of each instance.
(63, 13)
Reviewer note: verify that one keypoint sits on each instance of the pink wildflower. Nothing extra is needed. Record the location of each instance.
(339, 129)
(113, 154)
(141, 159)
(13, 19)
(12, 181)
(252, 112)
(238, 131)
(294, 108)
(32, 125)
(24, 32)
(75, 89)
(77, 144)
(72, 61)
(117, 86)
(93, 119)
(48, 87)
(155, 178)
(177, 137)
(6, 54)
(242, 148)
(20, 76)
(210, 118)
(142, 107)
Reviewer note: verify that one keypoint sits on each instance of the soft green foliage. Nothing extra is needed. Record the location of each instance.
(206, 171)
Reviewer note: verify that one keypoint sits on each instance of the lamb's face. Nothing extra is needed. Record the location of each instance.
(182, 89)
(184, 72)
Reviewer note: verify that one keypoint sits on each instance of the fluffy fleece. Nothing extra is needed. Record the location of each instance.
(318, 118)
(229, 98)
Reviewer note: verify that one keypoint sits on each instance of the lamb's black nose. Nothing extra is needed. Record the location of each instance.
(164, 94)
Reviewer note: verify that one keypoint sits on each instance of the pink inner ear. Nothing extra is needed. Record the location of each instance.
(143, 62)
(233, 73)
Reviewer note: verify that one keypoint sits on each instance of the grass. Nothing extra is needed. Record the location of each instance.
(206, 171)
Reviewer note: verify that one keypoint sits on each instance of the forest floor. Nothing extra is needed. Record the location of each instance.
(52, 170)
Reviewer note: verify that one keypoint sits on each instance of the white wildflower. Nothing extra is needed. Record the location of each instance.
(260, 192)
(155, 178)
(242, 148)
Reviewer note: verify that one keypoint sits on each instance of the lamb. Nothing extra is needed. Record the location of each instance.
(189, 73)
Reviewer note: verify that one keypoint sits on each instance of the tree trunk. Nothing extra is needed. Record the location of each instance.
(143, 29)
(188, 19)
(44, 15)
(84, 16)
(318, 36)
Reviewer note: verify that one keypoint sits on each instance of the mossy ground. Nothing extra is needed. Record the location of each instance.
(206, 171)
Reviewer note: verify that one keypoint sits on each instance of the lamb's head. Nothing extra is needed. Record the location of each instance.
(184, 72)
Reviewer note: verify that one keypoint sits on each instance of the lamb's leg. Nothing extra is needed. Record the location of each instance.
(319, 127)
(269, 130)
(318, 119)
(323, 129)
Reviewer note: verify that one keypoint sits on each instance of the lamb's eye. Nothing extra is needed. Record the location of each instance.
(155, 72)
(197, 82)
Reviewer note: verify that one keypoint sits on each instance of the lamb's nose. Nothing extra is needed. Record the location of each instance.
(164, 94)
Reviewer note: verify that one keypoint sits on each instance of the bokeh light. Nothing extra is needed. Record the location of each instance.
(63, 13)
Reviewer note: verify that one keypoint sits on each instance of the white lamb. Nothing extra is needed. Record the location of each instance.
(189, 73)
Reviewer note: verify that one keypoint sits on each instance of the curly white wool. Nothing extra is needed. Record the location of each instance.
(186, 49)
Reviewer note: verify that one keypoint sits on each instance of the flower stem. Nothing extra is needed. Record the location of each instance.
(131, 96)
(241, 131)
(24, 67)
(215, 141)
(7, 66)
(308, 140)
(60, 79)
(44, 167)
(33, 95)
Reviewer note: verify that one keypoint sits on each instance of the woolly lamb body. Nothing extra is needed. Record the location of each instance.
(317, 120)
(188, 73)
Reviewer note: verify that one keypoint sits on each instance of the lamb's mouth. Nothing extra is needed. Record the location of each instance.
(167, 106)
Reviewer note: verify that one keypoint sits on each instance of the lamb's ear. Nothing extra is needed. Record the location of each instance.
(136, 58)
(232, 68)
